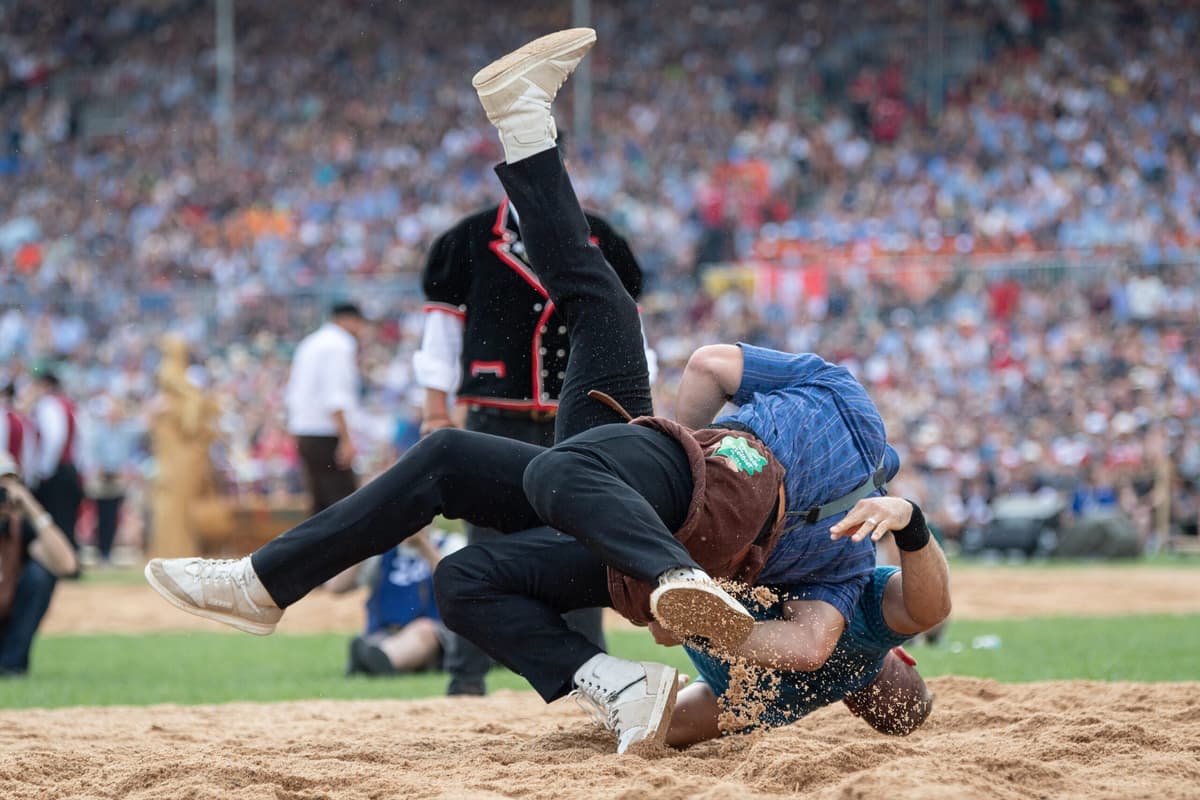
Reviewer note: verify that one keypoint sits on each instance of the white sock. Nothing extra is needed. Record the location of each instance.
(684, 574)
(518, 148)
(254, 587)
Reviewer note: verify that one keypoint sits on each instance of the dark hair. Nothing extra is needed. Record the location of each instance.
(47, 377)
(346, 310)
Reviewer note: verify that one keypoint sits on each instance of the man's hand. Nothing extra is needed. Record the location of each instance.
(431, 424)
(873, 516)
(345, 452)
(20, 496)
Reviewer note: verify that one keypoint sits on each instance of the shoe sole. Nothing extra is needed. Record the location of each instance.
(257, 628)
(501, 73)
(693, 611)
(668, 690)
(659, 723)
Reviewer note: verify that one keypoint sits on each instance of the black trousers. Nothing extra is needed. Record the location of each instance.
(617, 490)
(465, 661)
(61, 494)
(108, 512)
(326, 481)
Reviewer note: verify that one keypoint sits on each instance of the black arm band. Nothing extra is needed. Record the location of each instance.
(915, 534)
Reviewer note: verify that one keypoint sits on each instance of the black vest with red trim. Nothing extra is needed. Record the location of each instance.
(68, 451)
(514, 343)
(14, 435)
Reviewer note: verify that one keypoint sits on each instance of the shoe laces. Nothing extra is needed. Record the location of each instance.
(599, 704)
(601, 717)
(221, 570)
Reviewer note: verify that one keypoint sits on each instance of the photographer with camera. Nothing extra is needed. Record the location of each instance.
(34, 553)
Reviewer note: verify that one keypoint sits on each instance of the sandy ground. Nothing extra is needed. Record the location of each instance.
(984, 739)
(1060, 740)
(979, 593)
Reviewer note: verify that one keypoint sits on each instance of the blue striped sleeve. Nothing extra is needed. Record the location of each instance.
(765, 370)
(843, 595)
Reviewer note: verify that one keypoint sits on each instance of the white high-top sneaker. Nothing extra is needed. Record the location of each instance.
(516, 91)
(690, 603)
(224, 590)
(633, 699)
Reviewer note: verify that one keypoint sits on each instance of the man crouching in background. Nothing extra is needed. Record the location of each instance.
(34, 553)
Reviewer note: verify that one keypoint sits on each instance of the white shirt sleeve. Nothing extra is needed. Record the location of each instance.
(437, 363)
(51, 420)
(651, 356)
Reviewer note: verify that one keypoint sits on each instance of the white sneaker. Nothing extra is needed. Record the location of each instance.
(632, 699)
(516, 91)
(690, 603)
(224, 590)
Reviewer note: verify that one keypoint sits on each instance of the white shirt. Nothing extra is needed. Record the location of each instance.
(437, 364)
(324, 379)
(53, 428)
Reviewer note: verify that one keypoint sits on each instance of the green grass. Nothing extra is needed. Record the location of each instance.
(220, 667)
(1158, 647)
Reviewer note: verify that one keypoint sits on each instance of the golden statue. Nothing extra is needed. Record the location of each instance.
(189, 515)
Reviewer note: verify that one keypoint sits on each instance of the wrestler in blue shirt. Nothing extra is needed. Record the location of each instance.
(866, 670)
(823, 427)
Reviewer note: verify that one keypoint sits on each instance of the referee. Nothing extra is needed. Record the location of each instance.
(492, 337)
(322, 393)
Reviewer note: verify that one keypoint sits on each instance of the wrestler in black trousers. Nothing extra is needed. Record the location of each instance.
(617, 490)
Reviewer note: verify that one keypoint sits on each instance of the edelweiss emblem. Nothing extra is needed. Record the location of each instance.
(740, 456)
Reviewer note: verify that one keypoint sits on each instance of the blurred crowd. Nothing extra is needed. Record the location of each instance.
(765, 134)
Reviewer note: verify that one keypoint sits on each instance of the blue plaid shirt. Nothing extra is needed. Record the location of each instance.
(820, 424)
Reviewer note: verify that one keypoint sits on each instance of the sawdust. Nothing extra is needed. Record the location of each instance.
(763, 597)
(752, 690)
(1063, 740)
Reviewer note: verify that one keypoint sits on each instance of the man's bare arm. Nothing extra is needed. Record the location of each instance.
(919, 596)
(345, 452)
(711, 377)
(436, 412)
(51, 548)
(801, 641)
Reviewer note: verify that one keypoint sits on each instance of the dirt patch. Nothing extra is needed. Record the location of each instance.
(106, 608)
(979, 593)
(1066, 739)
(1008, 593)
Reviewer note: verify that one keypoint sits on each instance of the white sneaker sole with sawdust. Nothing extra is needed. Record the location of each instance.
(701, 608)
(546, 62)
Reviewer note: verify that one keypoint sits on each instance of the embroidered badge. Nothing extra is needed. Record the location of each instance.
(742, 457)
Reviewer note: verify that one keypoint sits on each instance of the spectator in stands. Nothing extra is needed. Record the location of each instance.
(1064, 159)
